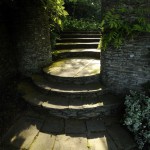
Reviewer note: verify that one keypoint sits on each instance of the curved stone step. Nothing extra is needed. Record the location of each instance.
(74, 70)
(80, 35)
(68, 90)
(69, 108)
(74, 45)
(71, 40)
(71, 53)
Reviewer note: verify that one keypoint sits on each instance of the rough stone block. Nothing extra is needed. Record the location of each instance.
(53, 125)
(75, 126)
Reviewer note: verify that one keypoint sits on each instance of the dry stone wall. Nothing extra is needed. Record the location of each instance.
(24, 38)
(33, 38)
(127, 67)
(7, 57)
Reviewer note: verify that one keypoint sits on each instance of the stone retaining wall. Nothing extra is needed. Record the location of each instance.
(128, 67)
(33, 38)
(7, 57)
(24, 38)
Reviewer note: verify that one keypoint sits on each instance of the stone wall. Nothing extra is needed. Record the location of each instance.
(108, 4)
(128, 67)
(24, 38)
(7, 57)
(32, 36)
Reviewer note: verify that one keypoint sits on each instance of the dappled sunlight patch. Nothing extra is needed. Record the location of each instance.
(23, 133)
(74, 67)
(98, 142)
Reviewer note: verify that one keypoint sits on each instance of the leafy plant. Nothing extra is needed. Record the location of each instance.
(125, 20)
(80, 24)
(137, 117)
(56, 12)
(87, 9)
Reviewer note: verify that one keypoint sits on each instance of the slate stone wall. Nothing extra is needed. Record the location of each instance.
(33, 38)
(128, 67)
(24, 38)
(7, 57)
(107, 5)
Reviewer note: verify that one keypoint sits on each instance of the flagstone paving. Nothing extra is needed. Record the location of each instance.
(74, 67)
(41, 132)
(70, 107)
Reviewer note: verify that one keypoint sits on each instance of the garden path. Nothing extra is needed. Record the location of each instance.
(71, 108)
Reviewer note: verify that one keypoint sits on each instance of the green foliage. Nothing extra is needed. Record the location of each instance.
(137, 117)
(56, 12)
(123, 22)
(80, 25)
(87, 9)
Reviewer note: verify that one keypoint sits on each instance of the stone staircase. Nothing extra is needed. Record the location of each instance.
(71, 86)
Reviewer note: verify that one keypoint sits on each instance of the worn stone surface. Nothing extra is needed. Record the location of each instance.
(44, 141)
(76, 136)
(75, 126)
(127, 67)
(23, 133)
(95, 125)
(71, 142)
(61, 54)
(100, 141)
(76, 45)
(109, 120)
(69, 90)
(74, 67)
(69, 107)
(53, 125)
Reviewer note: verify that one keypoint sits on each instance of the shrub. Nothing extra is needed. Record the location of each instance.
(137, 117)
(124, 21)
(80, 24)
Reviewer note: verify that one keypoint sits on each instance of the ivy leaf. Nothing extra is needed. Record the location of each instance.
(137, 27)
(148, 28)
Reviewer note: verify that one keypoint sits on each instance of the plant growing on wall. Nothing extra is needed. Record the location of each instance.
(78, 9)
(124, 21)
(56, 12)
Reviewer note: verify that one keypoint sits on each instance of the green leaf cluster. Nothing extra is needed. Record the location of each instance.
(124, 21)
(80, 24)
(137, 117)
(56, 12)
(87, 9)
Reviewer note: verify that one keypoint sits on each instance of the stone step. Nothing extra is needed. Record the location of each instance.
(90, 45)
(67, 40)
(91, 90)
(69, 108)
(74, 71)
(80, 35)
(71, 53)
